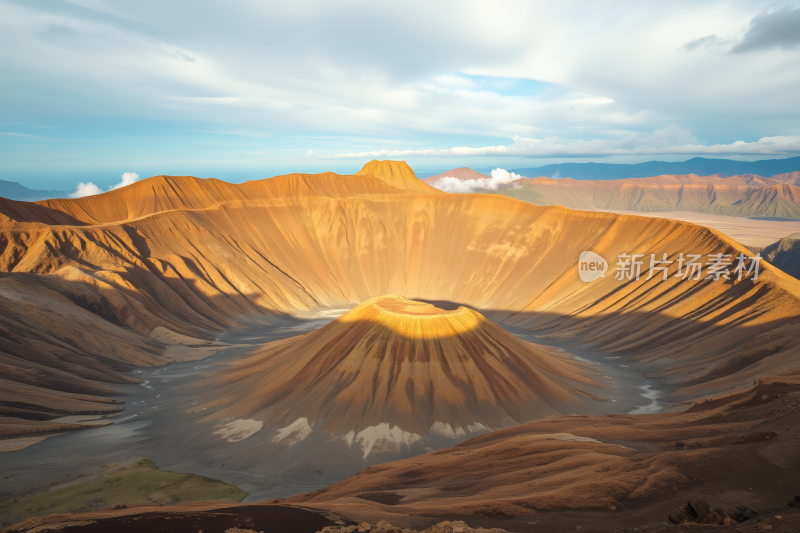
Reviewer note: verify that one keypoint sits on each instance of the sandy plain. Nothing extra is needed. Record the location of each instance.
(758, 232)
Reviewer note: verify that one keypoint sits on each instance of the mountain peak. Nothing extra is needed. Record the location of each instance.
(462, 173)
(397, 174)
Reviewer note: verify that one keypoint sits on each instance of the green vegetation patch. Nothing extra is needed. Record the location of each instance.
(140, 482)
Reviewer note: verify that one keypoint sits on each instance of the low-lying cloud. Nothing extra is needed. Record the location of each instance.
(669, 140)
(85, 189)
(90, 189)
(127, 179)
(498, 177)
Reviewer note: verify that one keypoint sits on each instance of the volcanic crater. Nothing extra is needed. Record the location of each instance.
(394, 370)
(117, 297)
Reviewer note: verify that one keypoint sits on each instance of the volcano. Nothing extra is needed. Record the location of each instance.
(398, 369)
(91, 286)
(149, 274)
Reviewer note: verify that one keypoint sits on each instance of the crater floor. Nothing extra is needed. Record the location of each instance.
(157, 423)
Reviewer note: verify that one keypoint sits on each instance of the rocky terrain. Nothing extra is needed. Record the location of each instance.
(94, 285)
(741, 449)
(150, 274)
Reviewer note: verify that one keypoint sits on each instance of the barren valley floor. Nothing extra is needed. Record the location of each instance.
(157, 423)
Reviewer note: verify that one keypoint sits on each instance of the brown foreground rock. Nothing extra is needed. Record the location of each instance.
(739, 453)
(385, 527)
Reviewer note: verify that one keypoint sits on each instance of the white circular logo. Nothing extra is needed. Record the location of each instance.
(591, 267)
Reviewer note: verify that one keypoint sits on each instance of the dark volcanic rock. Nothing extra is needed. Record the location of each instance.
(700, 507)
(698, 511)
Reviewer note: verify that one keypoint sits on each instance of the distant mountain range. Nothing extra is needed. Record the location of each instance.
(746, 195)
(699, 165)
(14, 191)
(462, 173)
(742, 196)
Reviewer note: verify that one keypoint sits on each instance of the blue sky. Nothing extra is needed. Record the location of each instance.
(243, 90)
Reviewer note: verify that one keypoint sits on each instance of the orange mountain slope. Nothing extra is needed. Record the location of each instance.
(169, 193)
(792, 178)
(397, 174)
(153, 256)
(782, 200)
(407, 364)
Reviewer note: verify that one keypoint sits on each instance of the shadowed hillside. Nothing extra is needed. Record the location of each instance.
(785, 254)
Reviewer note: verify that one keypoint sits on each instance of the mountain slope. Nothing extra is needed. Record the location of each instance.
(785, 254)
(397, 174)
(792, 178)
(407, 364)
(85, 300)
(618, 467)
(169, 193)
(781, 200)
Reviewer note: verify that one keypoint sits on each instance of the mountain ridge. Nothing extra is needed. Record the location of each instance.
(167, 193)
(696, 165)
(785, 254)
(743, 196)
(16, 191)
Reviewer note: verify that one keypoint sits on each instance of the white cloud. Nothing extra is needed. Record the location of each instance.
(85, 189)
(619, 65)
(90, 189)
(127, 179)
(499, 176)
(666, 141)
(776, 29)
(310, 152)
